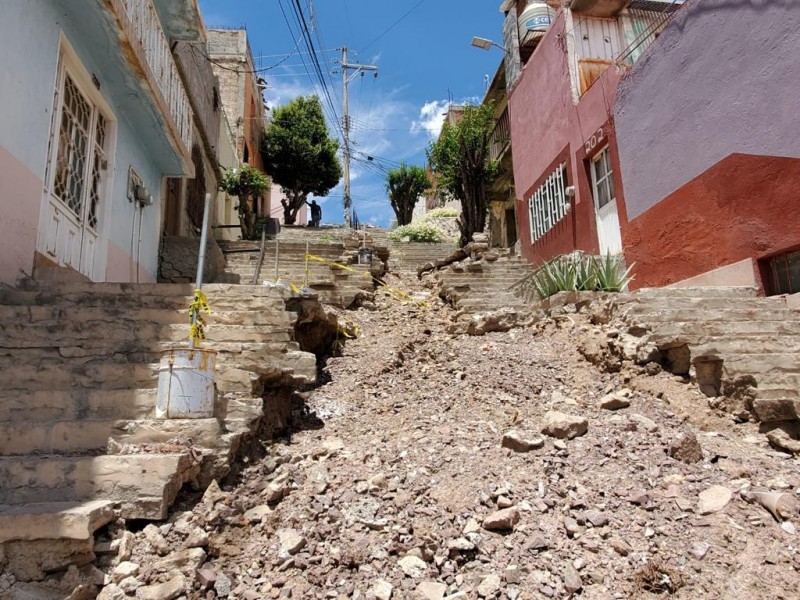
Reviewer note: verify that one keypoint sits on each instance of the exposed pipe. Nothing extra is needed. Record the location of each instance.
(201, 260)
(139, 241)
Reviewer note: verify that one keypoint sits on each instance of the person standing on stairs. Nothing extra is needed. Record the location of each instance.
(316, 213)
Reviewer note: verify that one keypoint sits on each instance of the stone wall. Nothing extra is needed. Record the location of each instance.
(178, 262)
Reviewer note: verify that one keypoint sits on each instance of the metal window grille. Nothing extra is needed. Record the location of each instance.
(548, 204)
(786, 273)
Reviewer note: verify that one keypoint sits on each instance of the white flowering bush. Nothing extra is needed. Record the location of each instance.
(418, 232)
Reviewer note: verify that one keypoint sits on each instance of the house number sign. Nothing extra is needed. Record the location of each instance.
(598, 138)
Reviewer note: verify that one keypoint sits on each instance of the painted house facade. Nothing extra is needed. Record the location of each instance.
(709, 149)
(95, 118)
(241, 90)
(185, 197)
(561, 114)
(502, 197)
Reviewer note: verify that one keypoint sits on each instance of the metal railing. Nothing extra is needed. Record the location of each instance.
(146, 27)
(501, 136)
(636, 48)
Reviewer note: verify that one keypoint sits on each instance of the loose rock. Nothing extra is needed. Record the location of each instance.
(519, 443)
(714, 499)
(563, 426)
(502, 519)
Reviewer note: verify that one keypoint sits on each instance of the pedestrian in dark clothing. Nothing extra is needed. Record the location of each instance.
(316, 213)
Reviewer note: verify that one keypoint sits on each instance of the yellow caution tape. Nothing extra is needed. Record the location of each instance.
(198, 306)
(394, 293)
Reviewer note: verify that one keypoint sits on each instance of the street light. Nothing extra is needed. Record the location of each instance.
(485, 44)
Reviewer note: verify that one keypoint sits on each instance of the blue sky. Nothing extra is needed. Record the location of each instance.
(424, 61)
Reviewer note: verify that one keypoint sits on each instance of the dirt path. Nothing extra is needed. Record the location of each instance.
(392, 487)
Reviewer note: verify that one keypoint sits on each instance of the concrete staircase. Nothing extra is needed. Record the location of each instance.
(79, 441)
(733, 331)
(483, 286)
(334, 286)
(409, 256)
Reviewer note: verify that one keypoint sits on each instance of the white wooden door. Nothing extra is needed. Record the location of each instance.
(605, 203)
(75, 179)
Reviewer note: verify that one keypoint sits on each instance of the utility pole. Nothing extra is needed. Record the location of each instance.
(346, 78)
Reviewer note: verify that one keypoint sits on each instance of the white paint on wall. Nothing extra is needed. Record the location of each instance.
(29, 36)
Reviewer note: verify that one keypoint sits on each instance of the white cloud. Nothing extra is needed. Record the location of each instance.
(431, 117)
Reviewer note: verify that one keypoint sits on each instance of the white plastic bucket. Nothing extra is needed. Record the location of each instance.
(186, 388)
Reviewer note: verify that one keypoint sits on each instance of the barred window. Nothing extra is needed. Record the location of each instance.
(548, 204)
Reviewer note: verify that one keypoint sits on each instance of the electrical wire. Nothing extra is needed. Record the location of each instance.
(395, 24)
(217, 63)
(315, 64)
(327, 105)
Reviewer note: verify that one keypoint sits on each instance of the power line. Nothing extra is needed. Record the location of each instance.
(304, 30)
(378, 158)
(330, 109)
(196, 49)
(295, 52)
(395, 24)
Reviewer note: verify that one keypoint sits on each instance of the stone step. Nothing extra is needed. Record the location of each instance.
(54, 437)
(732, 329)
(204, 433)
(700, 292)
(76, 367)
(54, 520)
(82, 436)
(145, 485)
(94, 334)
(49, 315)
(132, 303)
(703, 345)
(97, 372)
(641, 313)
(775, 410)
(56, 375)
(770, 366)
(74, 404)
(778, 390)
(660, 303)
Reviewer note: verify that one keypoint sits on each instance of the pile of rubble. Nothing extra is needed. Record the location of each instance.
(437, 465)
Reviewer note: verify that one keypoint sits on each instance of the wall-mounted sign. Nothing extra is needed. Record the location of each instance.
(595, 142)
(538, 23)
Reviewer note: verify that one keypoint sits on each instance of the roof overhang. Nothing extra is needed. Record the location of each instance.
(181, 20)
(599, 8)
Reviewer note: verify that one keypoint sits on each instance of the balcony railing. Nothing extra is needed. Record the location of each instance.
(501, 137)
(145, 27)
(649, 34)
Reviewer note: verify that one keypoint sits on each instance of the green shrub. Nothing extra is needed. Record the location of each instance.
(578, 273)
(440, 213)
(418, 232)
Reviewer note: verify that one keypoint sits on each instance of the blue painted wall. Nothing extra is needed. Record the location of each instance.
(29, 39)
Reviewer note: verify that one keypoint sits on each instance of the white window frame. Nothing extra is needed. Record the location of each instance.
(608, 176)
(548, 204)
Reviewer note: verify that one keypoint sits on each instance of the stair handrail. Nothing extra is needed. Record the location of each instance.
(257, 272)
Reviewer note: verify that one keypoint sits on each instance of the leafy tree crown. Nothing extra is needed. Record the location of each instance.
(299, 153)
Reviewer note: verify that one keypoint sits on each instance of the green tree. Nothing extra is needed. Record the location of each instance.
(299, 153)
(405, 185)
(460, 161)
(247, 184)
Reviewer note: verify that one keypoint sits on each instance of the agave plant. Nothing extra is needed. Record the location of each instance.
(609, 275)
(578, 272)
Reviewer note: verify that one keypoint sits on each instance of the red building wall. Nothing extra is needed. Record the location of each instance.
(710, 142)
(744, 206)
(547, 128)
